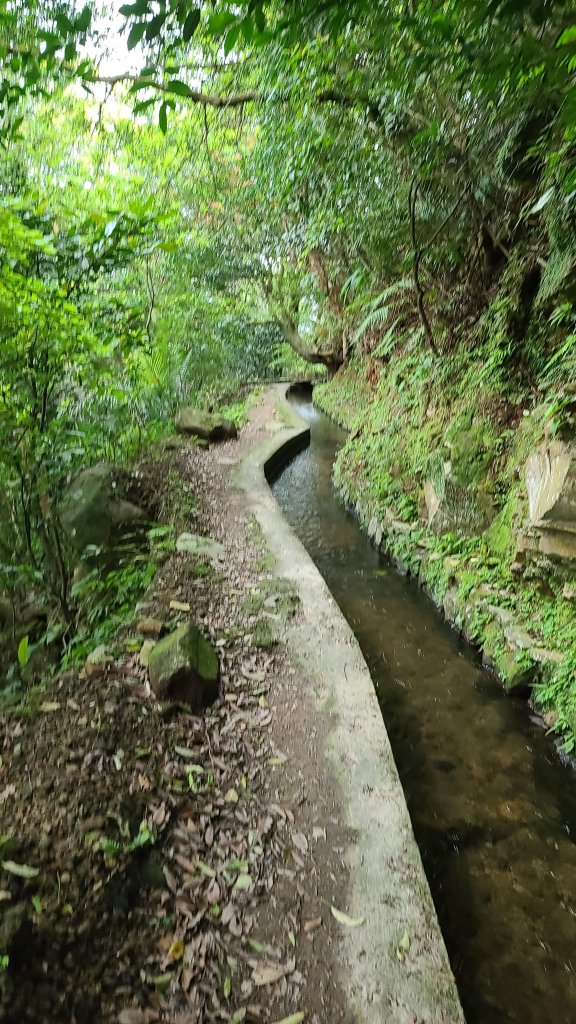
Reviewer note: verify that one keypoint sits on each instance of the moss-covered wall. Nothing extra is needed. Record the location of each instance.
(426, 431)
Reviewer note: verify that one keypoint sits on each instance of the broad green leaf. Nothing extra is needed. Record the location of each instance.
(218, 23)
(231, 37)
(65, 26)
(137, 9)
(82, 23)
(180, 88)
(162, 118)
(136, 34)
(23, 651)
(190, 25)
(568, 36)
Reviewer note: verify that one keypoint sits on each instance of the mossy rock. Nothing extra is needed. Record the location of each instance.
(184, 667)
(93, 507)
(206, 425)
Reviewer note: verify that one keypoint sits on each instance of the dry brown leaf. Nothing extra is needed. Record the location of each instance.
(269, 974)
(312, 924)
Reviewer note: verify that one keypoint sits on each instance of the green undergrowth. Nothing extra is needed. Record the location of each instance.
(420, 422)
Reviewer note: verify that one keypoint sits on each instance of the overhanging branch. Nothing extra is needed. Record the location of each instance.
(194, 95)
(239, 99)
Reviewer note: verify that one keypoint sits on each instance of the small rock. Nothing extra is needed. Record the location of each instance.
(150, 626)
(550, 719)
(184, 666)
(569, 593)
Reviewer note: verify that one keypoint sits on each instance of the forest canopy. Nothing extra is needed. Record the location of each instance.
(197, 197)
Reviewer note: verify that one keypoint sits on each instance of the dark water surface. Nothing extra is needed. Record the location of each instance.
(494, 811)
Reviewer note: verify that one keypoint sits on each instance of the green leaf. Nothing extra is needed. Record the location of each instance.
(294, 1018)
(110, 227)
(247, 26)
(23, 651)
(154, 26)
(568, 36)
(21, 870)
(65, 26)
(545, 198)
(259, 17)
(231, 37)
(162, 119)
(138, 8)
(342, 918)
(82, 23)
(243, 882)
(136, 33)
(190, 25)
(218, 23)
(180, 88)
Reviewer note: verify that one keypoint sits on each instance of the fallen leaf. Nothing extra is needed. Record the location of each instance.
(231, 797)
(184, 752)
(294, 1018)
(349, 922)
(132, 1015)
(8, 791)
(180, 606)
(204, 869)
(300, 842)
(176, 951)
(243, 882)
(312, 925)
(267, 975)
(49, 705)
(22, 870)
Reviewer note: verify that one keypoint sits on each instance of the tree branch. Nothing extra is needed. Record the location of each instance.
(239, 99)
(204, 99)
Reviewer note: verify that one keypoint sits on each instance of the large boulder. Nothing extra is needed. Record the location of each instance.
(207, 425)
(184, 666)
(551, 489)
(93, 507)
(551, 485)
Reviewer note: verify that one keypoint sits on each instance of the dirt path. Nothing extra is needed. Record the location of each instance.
(181, 868)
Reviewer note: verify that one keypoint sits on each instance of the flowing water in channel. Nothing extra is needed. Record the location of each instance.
(494, 811)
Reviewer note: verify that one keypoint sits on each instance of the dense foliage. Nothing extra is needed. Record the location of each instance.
(192, 194)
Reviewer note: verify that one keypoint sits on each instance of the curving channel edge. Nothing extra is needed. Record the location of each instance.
(385, 983)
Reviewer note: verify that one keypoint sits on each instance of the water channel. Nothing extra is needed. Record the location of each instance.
(493, 809)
